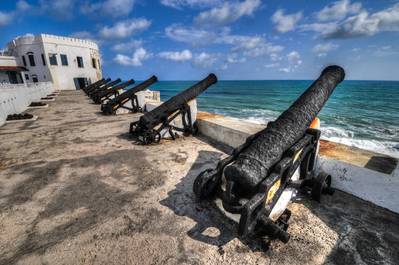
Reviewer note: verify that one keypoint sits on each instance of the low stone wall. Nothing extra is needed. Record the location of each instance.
(370, 176)
(15, 98)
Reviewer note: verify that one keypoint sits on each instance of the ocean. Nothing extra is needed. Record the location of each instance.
(363, 114)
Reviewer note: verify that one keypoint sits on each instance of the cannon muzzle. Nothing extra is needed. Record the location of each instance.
(154, 117)
(256, 161)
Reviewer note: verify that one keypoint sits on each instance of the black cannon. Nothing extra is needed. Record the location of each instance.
(113, 91)
(110, 107)
(96, 85)
(104, 88)
(148, 128)
(93, 84)
(249, 185)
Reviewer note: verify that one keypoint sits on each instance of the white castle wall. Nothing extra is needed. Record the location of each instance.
(15, 98)
(61, 76)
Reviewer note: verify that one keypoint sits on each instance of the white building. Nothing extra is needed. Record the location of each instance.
(10, 71)
(68, 63)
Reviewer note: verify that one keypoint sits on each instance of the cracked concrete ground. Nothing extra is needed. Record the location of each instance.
(74, 189)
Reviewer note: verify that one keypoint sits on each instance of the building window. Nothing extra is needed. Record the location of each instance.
(26, 77)
(80, 61)
(34, 79)
(43, 59)
(53, 58)
(31, 59)
(99, 65)
(64, 59)
(93, 61)
(24, 60)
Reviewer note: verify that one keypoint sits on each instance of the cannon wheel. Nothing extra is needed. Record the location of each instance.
(152, 137)
(195, 128)
(203, 187)
(321, 185)
(156, 136)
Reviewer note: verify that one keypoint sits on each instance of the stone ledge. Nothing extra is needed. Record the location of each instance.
(365, 174)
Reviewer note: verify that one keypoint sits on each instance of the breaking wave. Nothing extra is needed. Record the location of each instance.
(342, 136)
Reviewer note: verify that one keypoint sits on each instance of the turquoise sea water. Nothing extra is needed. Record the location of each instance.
(364, 114)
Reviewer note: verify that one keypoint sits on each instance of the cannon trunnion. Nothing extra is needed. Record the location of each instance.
(254, 182)
(149, 127)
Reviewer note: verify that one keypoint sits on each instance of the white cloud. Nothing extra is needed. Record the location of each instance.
(22, 5)
(322, 49)
(136, 60)
(125, 28)
(285, 70)
(178, 4)
(253, 46)
(234, 58)
(5, 18)
(226, 13)
(182, 56)
(127, 46)
(285, 23)
(359, 25)
(338, 10)
(85, 35)
(113, 8)
(192, 36)
(294, 57)
(365, 24)
(60, 9)
(82, 35)
(322, 28)
(272, 65)
(205, 59)
(294, 61)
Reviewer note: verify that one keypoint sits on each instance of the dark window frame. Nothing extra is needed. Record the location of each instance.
(53, 58)
(64, 59)
(26, 77)
(43, 59)
(94, 63)
(31, 58)
(24, 60)
(79, 61)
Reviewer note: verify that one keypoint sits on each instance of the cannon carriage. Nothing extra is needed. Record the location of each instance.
(149, 127)
(254, 185)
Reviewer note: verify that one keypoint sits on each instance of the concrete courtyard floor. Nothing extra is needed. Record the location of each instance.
(74, 189)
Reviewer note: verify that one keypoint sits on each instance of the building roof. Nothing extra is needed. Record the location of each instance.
(13, 68)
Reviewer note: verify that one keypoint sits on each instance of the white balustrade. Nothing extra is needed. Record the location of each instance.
(15, 98)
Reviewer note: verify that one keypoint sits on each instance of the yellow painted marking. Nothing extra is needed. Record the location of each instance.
(272, 191)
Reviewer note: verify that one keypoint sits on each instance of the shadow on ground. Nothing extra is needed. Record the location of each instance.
(77, 188)
(366, 234)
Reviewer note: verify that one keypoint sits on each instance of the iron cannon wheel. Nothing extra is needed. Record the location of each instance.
(321, 185)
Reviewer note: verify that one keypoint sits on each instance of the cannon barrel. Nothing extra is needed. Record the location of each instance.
(256, 161)
(153, 118)
(121, 99)
(112, 90)
(104, 87)
(93, 84)
(98, 85)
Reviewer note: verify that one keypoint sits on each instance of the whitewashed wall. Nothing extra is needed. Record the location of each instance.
(61, 76)
(15, 98)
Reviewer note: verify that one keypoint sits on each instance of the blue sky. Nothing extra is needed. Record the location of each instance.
(243, 39)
